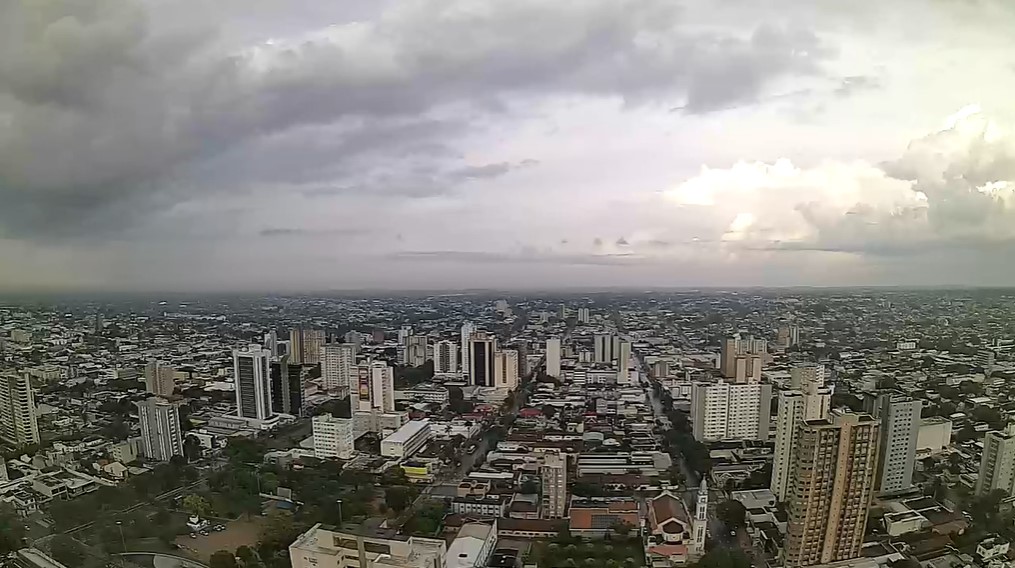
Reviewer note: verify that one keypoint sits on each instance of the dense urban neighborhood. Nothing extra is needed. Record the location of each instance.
(718, 429)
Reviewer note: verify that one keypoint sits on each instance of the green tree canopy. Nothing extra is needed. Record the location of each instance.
(12, 530)
(67, 551)
(222, 559)
(732, 513)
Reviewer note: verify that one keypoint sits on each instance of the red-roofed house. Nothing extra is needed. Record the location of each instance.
(668, 519)
(596, 520)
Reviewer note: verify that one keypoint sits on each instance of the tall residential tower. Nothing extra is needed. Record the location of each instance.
(831, 489)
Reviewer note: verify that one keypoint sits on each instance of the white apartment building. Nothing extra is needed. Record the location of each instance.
(337, 363)
(624, 362)
(322, 547)
(554, 474)
(553, 356)
(468, 328)
(725, 411)
(161, 435)
(415, 350)
(605, 348)
(19, 422)
(333, 437)
(407, 440)
(997, 465)
(252, 381)
(794, 408)
(807, 378)
(445, 358)
(900, 428)
(583, 315)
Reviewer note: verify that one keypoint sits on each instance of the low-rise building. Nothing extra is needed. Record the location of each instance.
(492, 506)
(327, 547)
(407, 440)
(473, 545)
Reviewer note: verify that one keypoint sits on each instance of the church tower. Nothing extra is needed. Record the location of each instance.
(700, 521)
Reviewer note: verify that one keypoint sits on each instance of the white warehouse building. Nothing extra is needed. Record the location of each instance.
(407, 440)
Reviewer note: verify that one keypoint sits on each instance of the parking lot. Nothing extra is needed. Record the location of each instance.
(235, 535)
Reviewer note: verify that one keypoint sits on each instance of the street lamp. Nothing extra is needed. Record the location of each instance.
(123, 543)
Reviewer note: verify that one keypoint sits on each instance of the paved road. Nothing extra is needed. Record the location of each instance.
(720, 534)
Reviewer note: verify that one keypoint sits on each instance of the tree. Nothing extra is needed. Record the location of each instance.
(12, 530)
(529, 487)
(66, 550)
(397, 498)
(622, 528)
(549, 411)
(732, 513)
(965, 434)
(192, 449)
(222, 559)
(247, 555)
(196, 505)
(278, 531)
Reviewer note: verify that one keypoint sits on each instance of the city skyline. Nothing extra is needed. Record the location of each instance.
(456, 145)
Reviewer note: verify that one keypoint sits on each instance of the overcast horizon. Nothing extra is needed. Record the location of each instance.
(299, 145)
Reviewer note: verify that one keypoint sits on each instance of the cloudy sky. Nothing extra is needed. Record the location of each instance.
(302, 144)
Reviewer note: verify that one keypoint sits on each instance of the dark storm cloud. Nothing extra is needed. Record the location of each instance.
(489, 171)
(729, 73)
(103, 109)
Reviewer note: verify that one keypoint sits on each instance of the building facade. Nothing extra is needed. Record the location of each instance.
(553, 357)
(305, 345)
(161, 434)
(445, 358)
(831, 489)
(337, 363)
(997, 464)
(725, 411)
(333, 437)
(554, 474)
(415, 350)
(900, 431)
(482, 368)
(288, 385)
(468, 328)
(325, 547)
(407, 440)
(374, 390)
(605, 348)
(252, 380)
(506, 369)
(795, 407)
(19, 422)
(742, 359)
(159, 378)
